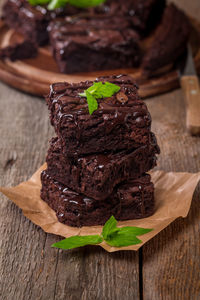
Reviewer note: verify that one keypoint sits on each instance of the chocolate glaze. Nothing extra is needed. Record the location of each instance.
(115, 125)
(128, 201)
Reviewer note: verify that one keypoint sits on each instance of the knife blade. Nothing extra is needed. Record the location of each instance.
(190, 86)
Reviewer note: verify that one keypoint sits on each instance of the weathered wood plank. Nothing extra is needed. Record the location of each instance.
(171, 260)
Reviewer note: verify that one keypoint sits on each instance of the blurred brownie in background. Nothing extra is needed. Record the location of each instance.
(170, 40)
(32, 21)
(89, 44)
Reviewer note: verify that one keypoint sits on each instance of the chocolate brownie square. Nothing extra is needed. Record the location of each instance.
(23, 50)
(121, 121)
(142, 14)
(170, 40)
(87, 44)
(96, 175)
(132, 200)
(32, 21)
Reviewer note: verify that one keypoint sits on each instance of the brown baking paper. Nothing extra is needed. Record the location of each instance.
(173, 196)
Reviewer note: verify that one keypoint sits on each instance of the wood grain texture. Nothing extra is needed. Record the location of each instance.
(190, 87)
(31, 270)
(171, 260)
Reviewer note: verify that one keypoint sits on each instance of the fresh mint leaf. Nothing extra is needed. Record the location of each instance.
(53, 4)
(120, 239)
(111, 234)
(106, 90)
(86, 3)
(78, 241)
(135, 230)
(99, 90)
(92, 103)
(103, 90)
(121, 236)
(38, 2)
(94, 88)
(109, 227)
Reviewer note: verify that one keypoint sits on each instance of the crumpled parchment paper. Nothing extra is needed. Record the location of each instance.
(173, 197)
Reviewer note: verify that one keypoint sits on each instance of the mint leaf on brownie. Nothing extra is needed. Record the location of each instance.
(86, 3)
(92, 102)
(99, 90)
(53, 4)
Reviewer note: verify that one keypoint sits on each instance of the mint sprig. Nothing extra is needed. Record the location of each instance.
(78, 241)
(111, 234)
(99, 90)
(92, 102)
(53, 4)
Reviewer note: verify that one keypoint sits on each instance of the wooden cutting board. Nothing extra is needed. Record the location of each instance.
(35, 75)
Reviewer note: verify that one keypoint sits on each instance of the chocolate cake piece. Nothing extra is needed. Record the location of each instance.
(32, 21)
(132, 200)
(170, 40)
(96, 175)
(85, 45)
(142, 14)
(23, 50)
(121, 121)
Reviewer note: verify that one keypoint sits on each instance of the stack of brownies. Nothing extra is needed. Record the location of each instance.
(96, 165)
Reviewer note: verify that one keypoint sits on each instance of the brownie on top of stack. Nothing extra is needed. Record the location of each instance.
(97, 164)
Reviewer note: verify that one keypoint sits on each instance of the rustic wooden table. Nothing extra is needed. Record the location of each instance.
(167, 267)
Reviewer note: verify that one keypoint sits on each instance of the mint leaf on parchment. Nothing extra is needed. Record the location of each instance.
(78, 241)
(109, 228)
(119, 239)
(111, 234)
